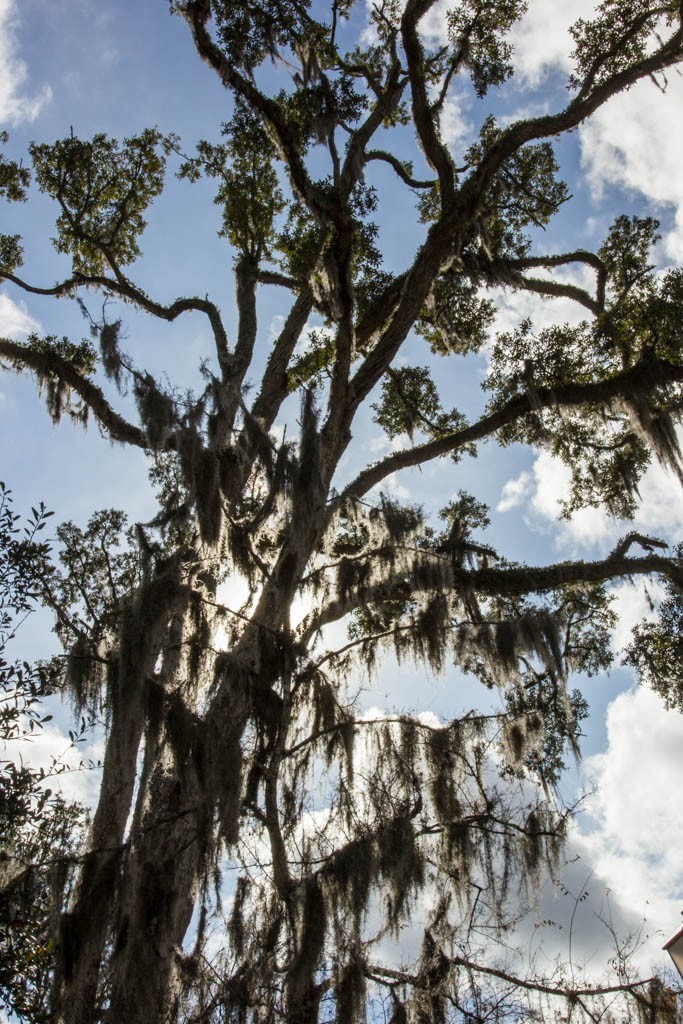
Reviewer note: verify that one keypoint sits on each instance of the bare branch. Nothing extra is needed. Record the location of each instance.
(378, 971)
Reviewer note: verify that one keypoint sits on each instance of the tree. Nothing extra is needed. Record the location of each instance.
(39, 830)
(222, 720)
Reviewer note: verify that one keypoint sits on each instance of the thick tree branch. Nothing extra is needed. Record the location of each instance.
(435, 152)
(271, 277)
(246, 277)
(565, 259)
(274, 387)
(641, 378)
(386, 104)
(506, 581)
(620, 45)
(389, 158)
(497, 271)
(122, 287)
(463, 209)
(578, 110)
(45, 364)
(554, 289)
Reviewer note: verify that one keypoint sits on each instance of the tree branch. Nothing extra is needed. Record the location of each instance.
(197, 14)
(435, 152)
(570, 395)
(389, 158)
(122, 287)
(378, 971)
(274, 384)
(46, 363)
(578, 110)
(508, 581)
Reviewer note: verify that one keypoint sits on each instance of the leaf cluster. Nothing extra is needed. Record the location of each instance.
(248, 190)
(39, 831)
(656, 650)
(616, 38)
(410, 402)
(477, 32)
(103, 190)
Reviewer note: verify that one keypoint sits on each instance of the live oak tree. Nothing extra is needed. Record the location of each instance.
(236, 768)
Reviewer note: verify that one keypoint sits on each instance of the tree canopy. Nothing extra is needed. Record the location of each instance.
(259, 845)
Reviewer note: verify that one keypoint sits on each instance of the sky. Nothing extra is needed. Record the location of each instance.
(121, 65)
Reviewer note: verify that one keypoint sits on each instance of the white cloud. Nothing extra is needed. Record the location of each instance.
(635, 141)
(540, 491)
(49, 748)
(541, 39)
(637, 832)
(515, 492)
(15, 319)
(456, 128)
(633, 602)
(15, 107)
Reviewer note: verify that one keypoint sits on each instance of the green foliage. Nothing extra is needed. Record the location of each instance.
(462, 516)
(101, 565)
(248, 192)
(41, 845)
(299, 242)
(477, 32)
(312, 365)
(642, 318)
(617, 38)
(11, 253)
(39, 831)
(626, 254)
(410, 402)
(557, 719)
(14, 178)
(103, 191)
(80, 355)
(525, 193)
(250, 32)
(656, 651)
(607, 446)
(22, 554)
(59, 396)
(456, 318)
(14, 182)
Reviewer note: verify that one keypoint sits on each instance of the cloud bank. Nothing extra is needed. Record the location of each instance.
(16, 107)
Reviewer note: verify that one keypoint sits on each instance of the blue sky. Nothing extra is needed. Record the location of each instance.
(100, 65)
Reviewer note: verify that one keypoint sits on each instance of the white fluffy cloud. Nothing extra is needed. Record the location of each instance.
(539, 493)
(633, 602)
(636, 142)
(15, 319)
(636, 834)
(15, 106)
(541, 37)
